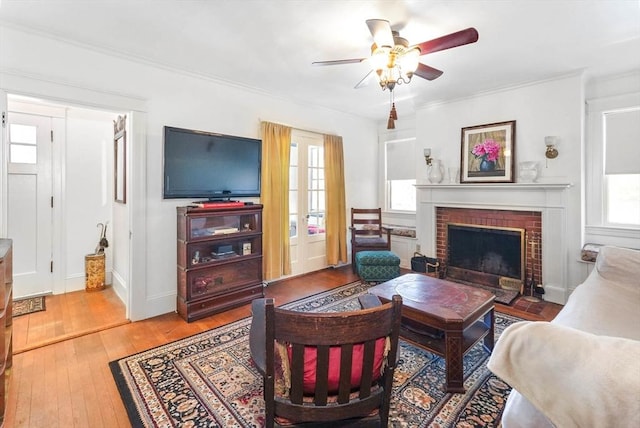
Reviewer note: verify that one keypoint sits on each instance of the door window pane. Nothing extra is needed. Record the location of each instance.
(19, 153)
(25, 134)
(22, 144)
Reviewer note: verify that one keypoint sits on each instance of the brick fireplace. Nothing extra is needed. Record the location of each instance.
(523, 227)
(538, 208)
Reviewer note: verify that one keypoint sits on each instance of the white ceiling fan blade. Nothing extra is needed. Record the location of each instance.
(365, 80)
(339, 61)
(381, 31)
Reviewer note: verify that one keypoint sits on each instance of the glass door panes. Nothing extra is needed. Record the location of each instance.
(315, 191)
(306, 203)
(293, 191)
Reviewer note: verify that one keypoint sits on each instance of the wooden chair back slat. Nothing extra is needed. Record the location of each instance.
(367, 232)
(324, 332)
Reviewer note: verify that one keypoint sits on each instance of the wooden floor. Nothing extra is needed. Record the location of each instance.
(68, 383)
(67, 316)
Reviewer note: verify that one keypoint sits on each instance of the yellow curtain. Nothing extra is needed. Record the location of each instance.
(335, 222)
(276, 260)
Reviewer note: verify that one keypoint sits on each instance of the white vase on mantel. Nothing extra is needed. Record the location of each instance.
(436, 172)
(528, 171)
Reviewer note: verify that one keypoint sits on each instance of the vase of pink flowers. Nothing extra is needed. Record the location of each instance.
(488, 152)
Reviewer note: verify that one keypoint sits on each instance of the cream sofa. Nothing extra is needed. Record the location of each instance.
(583, 368)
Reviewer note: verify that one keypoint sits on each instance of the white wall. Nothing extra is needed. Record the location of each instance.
(554, 107)
(45, 67)
(88, 194)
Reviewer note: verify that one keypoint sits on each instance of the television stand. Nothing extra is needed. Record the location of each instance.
(219, 259)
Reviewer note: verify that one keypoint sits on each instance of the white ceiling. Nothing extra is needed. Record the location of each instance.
(268, 45)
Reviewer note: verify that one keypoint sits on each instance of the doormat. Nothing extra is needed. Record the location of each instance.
(28, 306)
(209, 380)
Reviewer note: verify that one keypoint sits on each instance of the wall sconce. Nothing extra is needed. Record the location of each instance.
(427, 156)
(551, 142)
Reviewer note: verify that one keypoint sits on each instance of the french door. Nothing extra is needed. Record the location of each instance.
(307, 203)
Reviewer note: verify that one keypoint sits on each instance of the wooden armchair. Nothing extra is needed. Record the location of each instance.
(326, 369)
(367, 233)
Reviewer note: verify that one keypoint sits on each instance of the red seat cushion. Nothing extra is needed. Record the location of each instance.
(310, 362)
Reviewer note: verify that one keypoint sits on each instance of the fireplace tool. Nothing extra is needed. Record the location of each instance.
(533, 286)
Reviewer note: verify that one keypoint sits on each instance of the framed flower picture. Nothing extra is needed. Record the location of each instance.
(487, 153)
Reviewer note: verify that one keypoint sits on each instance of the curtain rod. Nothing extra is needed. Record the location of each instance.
(299, 129)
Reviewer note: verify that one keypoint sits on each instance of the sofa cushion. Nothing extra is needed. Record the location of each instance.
(311, 358)
(620, 265)
(576, 379)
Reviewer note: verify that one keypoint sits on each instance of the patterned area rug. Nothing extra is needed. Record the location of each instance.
(208, 380)
(28, 306)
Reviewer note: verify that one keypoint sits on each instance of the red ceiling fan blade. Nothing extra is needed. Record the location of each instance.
(339, 61)
(381, 31)
(427, 72)
(459, 38)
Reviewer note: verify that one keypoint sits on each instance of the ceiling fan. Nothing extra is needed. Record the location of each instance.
(394, 61)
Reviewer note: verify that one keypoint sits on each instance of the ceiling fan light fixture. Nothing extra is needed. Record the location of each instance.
(409, 60)
(379, 57)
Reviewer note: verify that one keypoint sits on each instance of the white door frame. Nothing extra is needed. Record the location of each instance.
(135, 293)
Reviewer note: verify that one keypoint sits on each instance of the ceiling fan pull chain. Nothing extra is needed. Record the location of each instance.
(394, 114)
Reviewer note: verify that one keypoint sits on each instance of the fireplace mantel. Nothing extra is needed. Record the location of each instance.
(550, 199)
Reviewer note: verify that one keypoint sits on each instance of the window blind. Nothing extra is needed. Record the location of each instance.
(622, 141)
(401, 164)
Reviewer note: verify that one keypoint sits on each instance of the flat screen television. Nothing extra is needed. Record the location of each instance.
(201, 164)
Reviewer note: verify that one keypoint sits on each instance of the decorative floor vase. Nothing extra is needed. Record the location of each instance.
(486, 166)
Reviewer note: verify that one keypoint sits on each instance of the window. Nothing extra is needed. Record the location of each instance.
(612, 170)
(622, 167)
(623, 199)
(400, 175)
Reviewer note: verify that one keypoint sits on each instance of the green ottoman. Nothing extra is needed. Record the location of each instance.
(377, 266)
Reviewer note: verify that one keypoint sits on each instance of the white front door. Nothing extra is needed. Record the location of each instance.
(307, 203)
(30, 202)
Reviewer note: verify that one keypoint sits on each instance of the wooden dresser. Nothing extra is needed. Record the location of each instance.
(6, 293)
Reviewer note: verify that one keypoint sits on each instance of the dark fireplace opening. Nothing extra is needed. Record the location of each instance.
(484, 254)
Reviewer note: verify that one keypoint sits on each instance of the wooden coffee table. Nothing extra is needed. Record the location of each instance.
(442, 317)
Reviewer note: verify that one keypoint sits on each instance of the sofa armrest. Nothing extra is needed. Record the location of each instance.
(574, 378)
